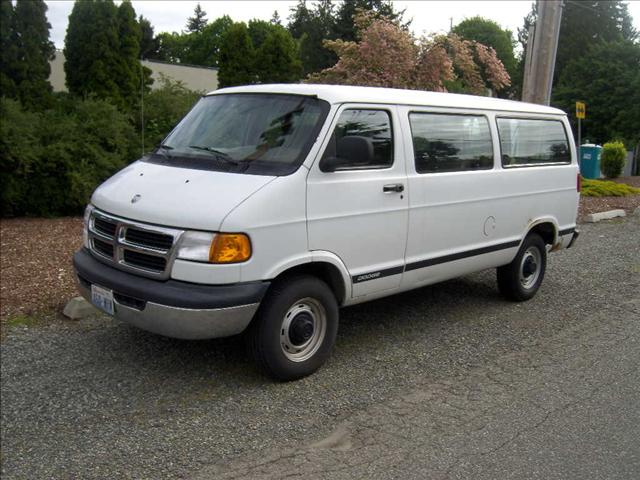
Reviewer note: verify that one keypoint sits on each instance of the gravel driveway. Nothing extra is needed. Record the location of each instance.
(447, 381)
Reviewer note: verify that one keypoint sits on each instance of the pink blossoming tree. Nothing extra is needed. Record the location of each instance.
(385, 55)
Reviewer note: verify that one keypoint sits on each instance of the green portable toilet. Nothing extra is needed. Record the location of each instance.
(590, 160)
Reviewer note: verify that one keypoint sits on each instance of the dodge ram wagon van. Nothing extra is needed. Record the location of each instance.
(269, 207)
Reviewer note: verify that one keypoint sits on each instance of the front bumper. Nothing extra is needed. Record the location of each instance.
(172, 308)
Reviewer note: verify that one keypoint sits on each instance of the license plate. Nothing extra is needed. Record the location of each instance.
(102, 298)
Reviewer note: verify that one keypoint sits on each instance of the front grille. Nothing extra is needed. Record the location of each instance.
(104, 248)
(105, 227)
(142, 260)
(136, 247)
(148, 239)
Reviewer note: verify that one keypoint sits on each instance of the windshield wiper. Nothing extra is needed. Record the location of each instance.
(220, 155)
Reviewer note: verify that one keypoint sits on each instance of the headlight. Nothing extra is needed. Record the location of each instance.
(214, 247)
(195, 246)
(85, 225)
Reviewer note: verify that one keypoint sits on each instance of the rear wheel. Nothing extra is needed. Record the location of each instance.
(295, 328)
(521, 279)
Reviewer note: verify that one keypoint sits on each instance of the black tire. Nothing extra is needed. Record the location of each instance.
(521, 279)
(282, 324)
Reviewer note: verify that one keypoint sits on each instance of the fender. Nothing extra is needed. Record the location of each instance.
(556, 243)
(314, 256)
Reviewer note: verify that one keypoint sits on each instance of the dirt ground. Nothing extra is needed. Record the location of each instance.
(35, 264)
(601, 204)
(36, 274)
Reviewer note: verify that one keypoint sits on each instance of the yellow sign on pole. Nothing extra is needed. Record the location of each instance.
(581, 110)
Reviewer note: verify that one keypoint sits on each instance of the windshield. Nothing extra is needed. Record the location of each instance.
(264, 134)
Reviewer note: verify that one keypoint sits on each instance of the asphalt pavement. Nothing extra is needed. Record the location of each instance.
(448, 381)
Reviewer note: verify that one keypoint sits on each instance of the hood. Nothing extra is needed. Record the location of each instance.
(175, 197)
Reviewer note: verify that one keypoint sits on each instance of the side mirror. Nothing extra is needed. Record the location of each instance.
(351, 151)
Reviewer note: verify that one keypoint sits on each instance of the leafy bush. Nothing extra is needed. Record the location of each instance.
(164, 108)
(612, 159)
(51, 161)
(604, 188)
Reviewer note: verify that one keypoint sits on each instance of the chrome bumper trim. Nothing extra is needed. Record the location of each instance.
(184, 323)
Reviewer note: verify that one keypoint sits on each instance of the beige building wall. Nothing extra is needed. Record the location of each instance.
(199, 79)
(56, 78)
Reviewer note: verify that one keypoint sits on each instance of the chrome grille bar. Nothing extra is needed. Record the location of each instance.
(143, 256)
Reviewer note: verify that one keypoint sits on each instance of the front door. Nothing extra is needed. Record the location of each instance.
(357, 199)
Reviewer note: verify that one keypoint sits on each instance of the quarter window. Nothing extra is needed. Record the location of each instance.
(362, 139)
(450, 143)
(532, 142)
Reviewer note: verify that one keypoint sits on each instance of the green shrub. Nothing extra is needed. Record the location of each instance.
(612, 159)
(19, 152)
(51, 161)
(164, 108)
(604, 188)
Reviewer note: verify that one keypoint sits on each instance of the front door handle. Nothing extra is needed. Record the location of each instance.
(393, 188)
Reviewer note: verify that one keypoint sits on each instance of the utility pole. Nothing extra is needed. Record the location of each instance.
(542, 46)
(142, 104)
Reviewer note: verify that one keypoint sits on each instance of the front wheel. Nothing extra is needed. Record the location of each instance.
(521, 279)
(295, 328)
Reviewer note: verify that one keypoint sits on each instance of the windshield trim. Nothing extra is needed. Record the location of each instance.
(256, 167)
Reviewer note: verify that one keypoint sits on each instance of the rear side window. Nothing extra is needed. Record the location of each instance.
(532, 142)
(362, 139)
(450, 143)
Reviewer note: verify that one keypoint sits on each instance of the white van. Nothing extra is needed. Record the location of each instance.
(270, 207)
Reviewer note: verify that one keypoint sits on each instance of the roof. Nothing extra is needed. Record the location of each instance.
(335, 94)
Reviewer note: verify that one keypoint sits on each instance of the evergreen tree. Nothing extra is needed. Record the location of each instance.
(277, 59)
(312, 28)
(299, 19)
(8, 51)
(529, 21)
(203, 48)
(585, 24)
(172, 47)
(28, 54)
(129, 74)
(607, 79)
(345, 28)
(148, 43)
(589, 23)
(102, 50)
(198, 21)
(275, 18)
(259, 30)
(92, 50)
(236, 57)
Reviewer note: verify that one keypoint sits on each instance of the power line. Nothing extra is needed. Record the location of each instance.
(578, 4)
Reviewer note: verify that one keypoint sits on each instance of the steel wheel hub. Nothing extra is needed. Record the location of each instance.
(303, 329)
(530, 267)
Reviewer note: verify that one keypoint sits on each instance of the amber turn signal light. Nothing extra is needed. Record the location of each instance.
(230, 248)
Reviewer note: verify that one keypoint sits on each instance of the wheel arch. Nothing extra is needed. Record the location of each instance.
(547, 228)
(324, 265)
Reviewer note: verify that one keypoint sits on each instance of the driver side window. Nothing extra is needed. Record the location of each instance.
(362, 139)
